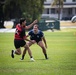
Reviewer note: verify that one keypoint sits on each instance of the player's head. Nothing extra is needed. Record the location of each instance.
(22, 21)
(35, 27)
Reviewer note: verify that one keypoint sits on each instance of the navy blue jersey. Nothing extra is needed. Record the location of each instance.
(37, 37)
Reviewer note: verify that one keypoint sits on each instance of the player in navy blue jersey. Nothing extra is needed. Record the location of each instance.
(37, 36)
(20, 37)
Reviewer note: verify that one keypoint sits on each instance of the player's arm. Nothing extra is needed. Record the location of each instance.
(29, 26)
(32, 41)
(27, 35)
(44, 40)
(28, 39)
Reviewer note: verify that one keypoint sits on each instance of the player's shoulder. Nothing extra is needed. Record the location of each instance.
(40, 31)
(31, 31)
(18, 26)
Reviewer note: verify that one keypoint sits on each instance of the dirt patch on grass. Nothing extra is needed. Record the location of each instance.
(67, 23)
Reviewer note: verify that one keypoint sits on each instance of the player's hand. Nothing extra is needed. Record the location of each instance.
(35, 21)
(33, 41)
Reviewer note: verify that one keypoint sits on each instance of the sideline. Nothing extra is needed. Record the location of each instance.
(7, 30)
(13, 30)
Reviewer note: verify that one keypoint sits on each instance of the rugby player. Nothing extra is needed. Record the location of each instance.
(37, 36)
(20, 37)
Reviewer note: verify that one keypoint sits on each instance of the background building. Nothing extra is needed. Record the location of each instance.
(68, 11)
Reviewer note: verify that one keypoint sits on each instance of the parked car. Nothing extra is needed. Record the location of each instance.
(73, 20)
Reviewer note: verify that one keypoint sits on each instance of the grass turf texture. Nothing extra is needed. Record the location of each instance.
(61, 52)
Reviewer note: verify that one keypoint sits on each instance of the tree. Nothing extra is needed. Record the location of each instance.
(11, 9)
(58, 3)
(1, 14)
(30, 9)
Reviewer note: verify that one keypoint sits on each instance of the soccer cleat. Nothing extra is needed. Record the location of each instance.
(12, 53)
(47, 58)
(32, 59)
(22, 58)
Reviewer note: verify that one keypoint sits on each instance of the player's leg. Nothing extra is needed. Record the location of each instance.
(24, 52)
(29, 51)
(17, 44)
(26, 47)
(17, 51)
(40, 43)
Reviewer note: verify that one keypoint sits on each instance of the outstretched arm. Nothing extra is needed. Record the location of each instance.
(29, 26)
(32, 41)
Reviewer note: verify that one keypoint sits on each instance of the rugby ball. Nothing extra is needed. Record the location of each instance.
(73, 20)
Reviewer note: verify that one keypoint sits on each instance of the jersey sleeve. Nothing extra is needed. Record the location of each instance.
(30, 32)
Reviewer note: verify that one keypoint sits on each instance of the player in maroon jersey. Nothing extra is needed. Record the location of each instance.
(20, 37)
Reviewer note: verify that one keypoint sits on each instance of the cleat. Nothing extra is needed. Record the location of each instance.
(21, 58)
(47, 58)
(32, 59)
(12, 53)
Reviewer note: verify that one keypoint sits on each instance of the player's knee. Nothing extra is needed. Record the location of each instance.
(27, 47)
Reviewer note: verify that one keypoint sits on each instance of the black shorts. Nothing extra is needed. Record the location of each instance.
(19, 43)
(37, 41)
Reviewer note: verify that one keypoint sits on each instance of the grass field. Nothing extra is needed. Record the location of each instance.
(61, 52)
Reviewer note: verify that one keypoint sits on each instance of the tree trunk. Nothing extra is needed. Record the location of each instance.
(59, 10)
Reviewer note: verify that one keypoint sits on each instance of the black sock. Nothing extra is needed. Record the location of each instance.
(23, 56)
(46, 56)
(30, 56)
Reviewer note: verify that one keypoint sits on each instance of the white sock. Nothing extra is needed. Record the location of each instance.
(14, 52)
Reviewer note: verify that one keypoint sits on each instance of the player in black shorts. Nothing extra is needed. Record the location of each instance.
(20, 37)
(36, 36)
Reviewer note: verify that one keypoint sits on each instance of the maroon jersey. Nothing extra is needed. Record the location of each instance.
(20, 32)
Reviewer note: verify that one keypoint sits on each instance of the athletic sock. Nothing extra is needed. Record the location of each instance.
(31, 57)
(13, 51)
(23, 57)
(46, 56)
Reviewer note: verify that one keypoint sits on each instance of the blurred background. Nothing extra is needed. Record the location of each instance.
(51, 14)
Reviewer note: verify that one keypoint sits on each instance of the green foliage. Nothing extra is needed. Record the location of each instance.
(59, 4)
(30, 9)
(61, 52)
(11, 9)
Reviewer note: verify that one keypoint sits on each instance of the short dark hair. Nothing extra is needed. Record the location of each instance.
(22, 20)
(36, 25)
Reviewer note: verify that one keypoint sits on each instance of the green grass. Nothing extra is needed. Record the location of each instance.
(61, 52)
